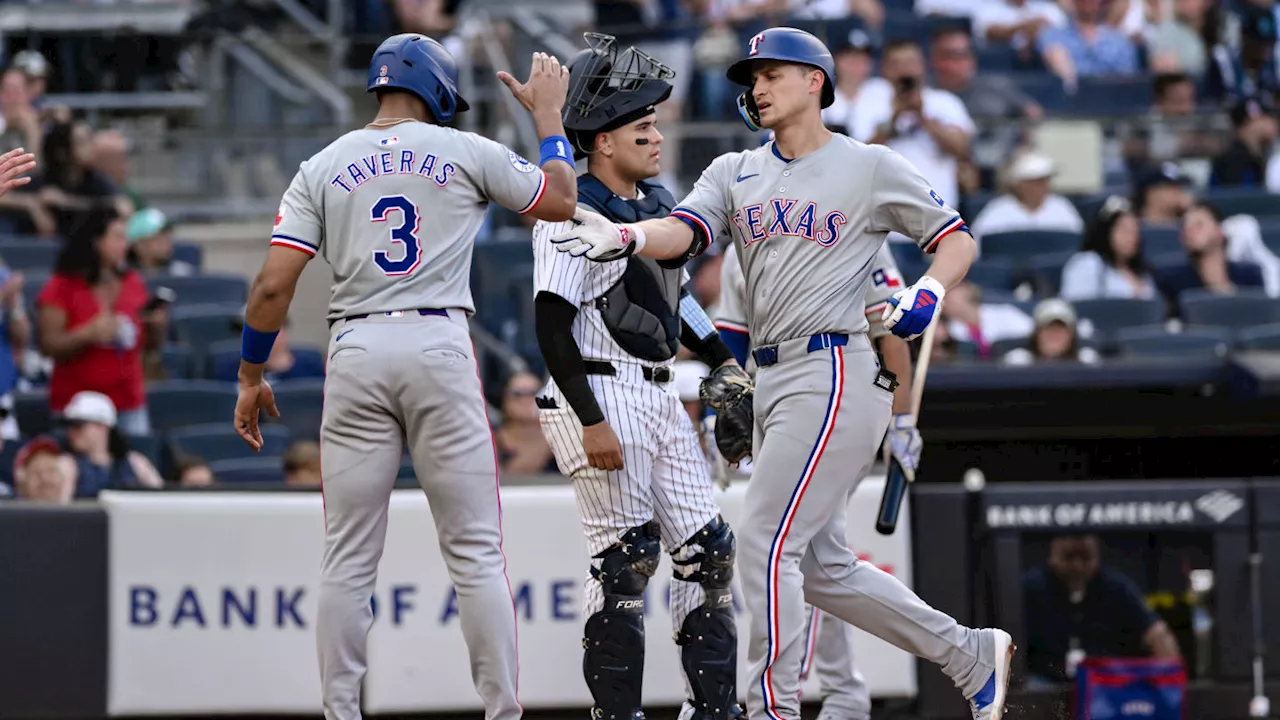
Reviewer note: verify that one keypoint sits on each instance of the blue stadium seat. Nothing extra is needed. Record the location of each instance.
(32, 283)
(1262, 337)
(301, 403)
(1109, 315)
(992, 274)
(911, 261)
(1046, 89)
(148, 445)
(201, 325)
(198, 289)
(406, 469)
(8, 453)
(222, 359)
(1156, 342)
(1243, 201)
(215, 442)
(996, 58)
(31, 409)
(189, 253)
(1025, 243)
(1100, 96)
(1160, 240)
(1044, 270)
(176, 360)
(257, 469)
(1246, 308)
(973, 203)
(29, 255)
(179, 403)
(492, 267)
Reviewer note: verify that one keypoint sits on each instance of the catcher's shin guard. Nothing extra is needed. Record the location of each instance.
(613, 657)
(708, 638)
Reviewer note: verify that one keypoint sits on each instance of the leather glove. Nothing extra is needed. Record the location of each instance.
(598, 238)
(905, 443)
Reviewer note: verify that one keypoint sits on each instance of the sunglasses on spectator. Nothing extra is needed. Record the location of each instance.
(518, 392)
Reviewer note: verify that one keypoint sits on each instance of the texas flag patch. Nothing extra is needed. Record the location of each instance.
(388, 141)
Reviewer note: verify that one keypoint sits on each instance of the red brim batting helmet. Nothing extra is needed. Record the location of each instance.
(786, 44)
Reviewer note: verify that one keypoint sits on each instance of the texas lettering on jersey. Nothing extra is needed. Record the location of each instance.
(788, 217)
(404, 162)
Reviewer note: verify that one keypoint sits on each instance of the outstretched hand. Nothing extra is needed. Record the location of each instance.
(13, 164)
(546, 88)
(596, 237)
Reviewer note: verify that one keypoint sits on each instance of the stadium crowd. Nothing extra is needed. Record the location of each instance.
(118, 352)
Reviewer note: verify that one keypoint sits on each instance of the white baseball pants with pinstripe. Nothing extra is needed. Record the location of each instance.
(820, 421)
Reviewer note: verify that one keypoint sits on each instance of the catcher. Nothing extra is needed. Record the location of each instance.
(609, 333)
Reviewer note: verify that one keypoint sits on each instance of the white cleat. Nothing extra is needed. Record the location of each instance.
(988, 703)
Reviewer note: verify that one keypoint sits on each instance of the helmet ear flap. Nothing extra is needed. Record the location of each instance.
(749, 111)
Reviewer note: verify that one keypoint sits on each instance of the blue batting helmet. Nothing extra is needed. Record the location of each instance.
(787, 45)
(417, 64)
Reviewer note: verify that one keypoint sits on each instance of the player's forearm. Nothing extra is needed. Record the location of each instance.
(265, 313)
(553, 325)
(699, 334)
(896, 356)
(560, 198)
(664, 238)
(952, 258)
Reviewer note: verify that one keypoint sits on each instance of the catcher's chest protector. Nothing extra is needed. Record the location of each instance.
(641, 310)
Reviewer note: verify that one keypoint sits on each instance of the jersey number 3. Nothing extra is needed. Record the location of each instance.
(405, 233)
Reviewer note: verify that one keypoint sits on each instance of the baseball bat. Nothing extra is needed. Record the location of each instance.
(895, 486)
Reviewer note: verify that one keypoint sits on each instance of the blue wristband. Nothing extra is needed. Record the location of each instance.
(556, 147)
(255, 345)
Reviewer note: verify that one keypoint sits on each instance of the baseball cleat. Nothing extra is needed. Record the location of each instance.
(988, 703)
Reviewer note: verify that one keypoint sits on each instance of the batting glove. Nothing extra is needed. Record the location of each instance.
(905, 443)
(911, 310)
(593, 236)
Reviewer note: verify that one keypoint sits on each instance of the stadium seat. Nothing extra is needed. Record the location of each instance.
(1025, 243)
(406, 469)
(1242, 201)
(493, 265)
(29, 255)
(1044, 88)
(222, 359)
(8, 453)
(1155, 341)
(199, 326)
(215, 442)
(1109, 315)
(179, 403)
(31, 408)
(32, 283)
(1045, 271)
(1246, 308)
(150, 446)
(189, 253)
(1157, 241)
(176, 360)
(257, 469)
(992, 274)
(1262, 337)
(301, 403)
(1103, 96)
(198, 289)
(911, 261)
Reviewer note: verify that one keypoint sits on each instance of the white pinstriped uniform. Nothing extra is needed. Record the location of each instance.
(665, 475)
(828, 640)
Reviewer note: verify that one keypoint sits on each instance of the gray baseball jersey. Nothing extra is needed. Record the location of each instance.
(395, 211)
(808, 230)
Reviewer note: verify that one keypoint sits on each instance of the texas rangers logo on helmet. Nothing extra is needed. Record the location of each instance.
(754, 43)
(382, 76)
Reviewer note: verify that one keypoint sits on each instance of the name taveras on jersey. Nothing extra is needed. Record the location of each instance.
(787, 217)
(403, 162)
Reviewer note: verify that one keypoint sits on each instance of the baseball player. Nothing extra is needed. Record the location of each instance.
(810, 210)
(394, 208)
(828, 640)
(609, 333)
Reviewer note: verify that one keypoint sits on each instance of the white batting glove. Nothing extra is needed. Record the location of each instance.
(910, 311)
(905, 443)
(597, 238)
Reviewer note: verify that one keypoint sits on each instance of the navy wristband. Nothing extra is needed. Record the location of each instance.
(556, 147)
(255, 345)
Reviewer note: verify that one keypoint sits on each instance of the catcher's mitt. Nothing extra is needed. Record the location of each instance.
(728, 391)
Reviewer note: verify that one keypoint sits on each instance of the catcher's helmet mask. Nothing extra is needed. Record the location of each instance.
(781, 44)
(609, 88)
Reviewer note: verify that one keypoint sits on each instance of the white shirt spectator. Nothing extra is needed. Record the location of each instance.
(1086, 276)
(875, 106)
(949, 8)
(999, 13)
(998, 321)
(1006, 214)
(840, 112)
(1245, 245)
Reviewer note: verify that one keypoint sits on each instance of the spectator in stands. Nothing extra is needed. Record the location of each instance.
(1029, 204)
(522, 448)
(35, 70)
(1054, 339)
(854, 62)
(1017, 23)
(1173, 129)
(155, 326)
(302, 464)
(982, 324)
(428, 17)
(1177, 42)
(1251, 73)
(89, 319)
(1076, 608)
(285, 364)
(1087, 47)
(1207, 265)
(946, 8)
(69, 185)
(716, 48)
(1244, 162)
(985, 96)
(150, 236)
(111, 158)
(101, 452)
(20, 126)
(928, 126)
(42, 473)
(193, 472)
(1162, 196)
(1110, 262)
(15, 333)
(705, 284)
